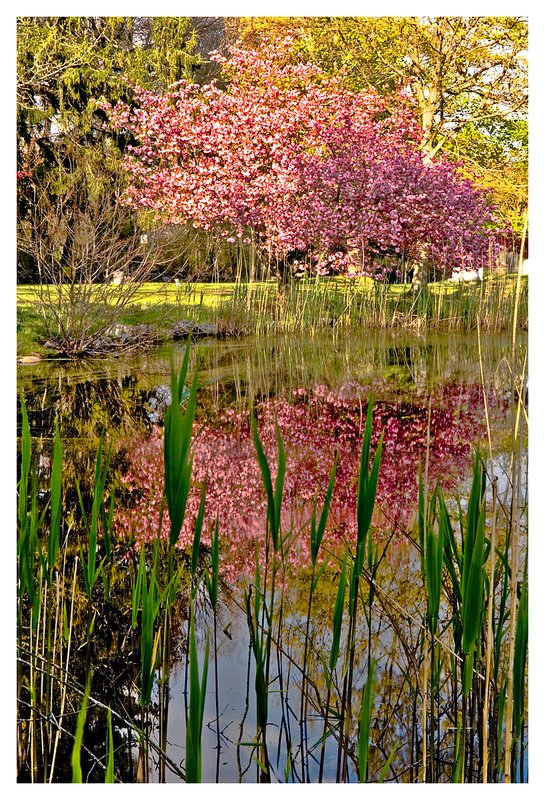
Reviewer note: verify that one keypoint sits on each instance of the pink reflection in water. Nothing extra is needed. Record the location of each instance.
(314, 424)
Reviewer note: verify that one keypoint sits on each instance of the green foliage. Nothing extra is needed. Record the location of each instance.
(274, 497)
(55, 502)
(78, 737)
(64, 66)
(519, 667)
(260, 642)
(151, 600)
(196, 545)
(317, 532)
(431, 552)
(29, 522)
(177, 441)
(212, 576)
(89, 564)
(197, 697)
(337, 623)
(365, 723)
(26, 453)
(68, 61)
(467, 75)
(109, 776)
(27, 541)
(473, 560)
(495, 155)
(367, 489)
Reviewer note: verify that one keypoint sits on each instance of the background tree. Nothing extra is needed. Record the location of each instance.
(62, 64)
(87, 252)
(468, 76)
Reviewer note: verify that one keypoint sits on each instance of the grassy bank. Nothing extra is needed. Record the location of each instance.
(306, 305)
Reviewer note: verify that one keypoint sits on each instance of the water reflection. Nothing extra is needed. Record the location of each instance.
(317, 391)
(428, 401)
(443, 428)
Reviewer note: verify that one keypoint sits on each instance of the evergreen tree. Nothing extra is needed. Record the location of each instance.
(63, 65)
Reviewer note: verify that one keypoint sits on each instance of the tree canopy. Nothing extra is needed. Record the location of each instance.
(446, 97)
(467, 75)
(310, 165)
(63, 63)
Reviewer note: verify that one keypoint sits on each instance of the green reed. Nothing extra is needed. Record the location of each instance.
(177, 441)
(90, 570)
(365, 719)
(38, 558)
(178, 428)
(197, 685)
(310, 303)
(519, 675)
(431, 566)
(317, 532)
(259, 612)
(110, 757)
(197, 697)
(147, 602)
(328, 669)
(475, 601)
(365, 505)
(78, 737)
(212, 585)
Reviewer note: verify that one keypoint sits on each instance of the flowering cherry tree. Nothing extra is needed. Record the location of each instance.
(308, 166)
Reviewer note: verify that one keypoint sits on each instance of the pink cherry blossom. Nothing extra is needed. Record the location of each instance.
(307, 165)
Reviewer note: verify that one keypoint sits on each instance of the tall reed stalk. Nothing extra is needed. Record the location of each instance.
(366, 494)
(431, 567)
(197, 697)
(316, 536)
(328, 669)
(517, 395)
(260, 614)
(212, 584)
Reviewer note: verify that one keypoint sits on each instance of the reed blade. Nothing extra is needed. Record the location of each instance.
(317, 532)
(365, 723)
(55, 502)
(196, 545)
(78, 738)
(109, 776)
(197, 697)
(338, 617)
(178, 428)
(521, 650)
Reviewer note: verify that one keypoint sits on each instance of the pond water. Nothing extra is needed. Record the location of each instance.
(432, 399)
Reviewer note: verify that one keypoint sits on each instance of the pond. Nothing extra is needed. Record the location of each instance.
(278, 705)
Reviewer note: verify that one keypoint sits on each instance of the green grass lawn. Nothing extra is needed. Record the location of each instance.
(151, 294)
(213, 294)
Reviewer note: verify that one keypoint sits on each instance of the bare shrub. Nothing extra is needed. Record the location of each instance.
(91, 254)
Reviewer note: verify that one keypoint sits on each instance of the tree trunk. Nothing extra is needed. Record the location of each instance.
(283, 273)
(420, 270)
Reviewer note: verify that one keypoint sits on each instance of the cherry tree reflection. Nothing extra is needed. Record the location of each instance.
(315, 423)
